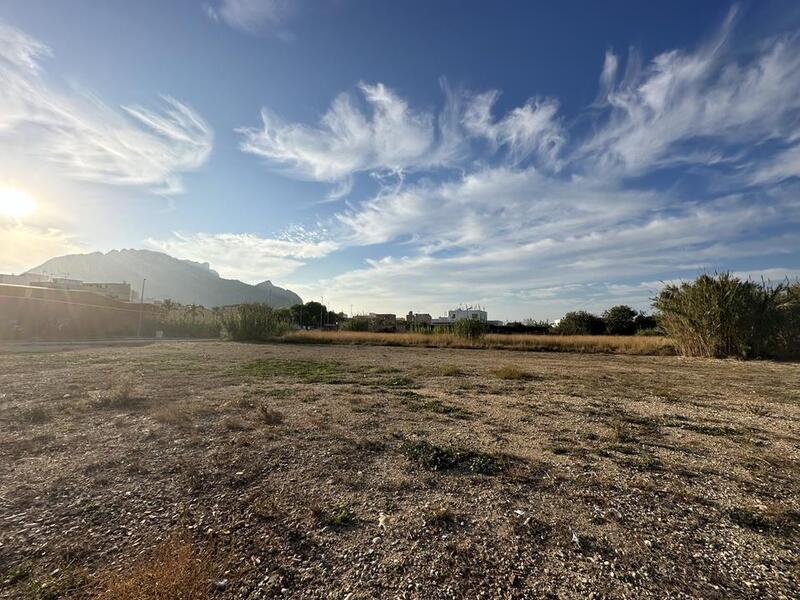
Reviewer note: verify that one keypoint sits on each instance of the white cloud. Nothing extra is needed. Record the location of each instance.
(251, 15)
(246, 256)
(711, 98)
(388, 136)
(384, 134)
(85, 137)
(531, 129)
(23, 246)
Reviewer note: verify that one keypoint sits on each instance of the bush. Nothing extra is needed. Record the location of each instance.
(643, 322)
(720, 315)
(253, 322)
(580, 323)
(356, 324)
(470, 329)
(620, 320)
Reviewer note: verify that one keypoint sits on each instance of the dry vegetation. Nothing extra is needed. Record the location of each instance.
(224, 470)
(610, 344)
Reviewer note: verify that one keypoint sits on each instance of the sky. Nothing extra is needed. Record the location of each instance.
(529, 157)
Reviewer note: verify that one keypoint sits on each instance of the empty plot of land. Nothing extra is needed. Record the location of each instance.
(234, 471)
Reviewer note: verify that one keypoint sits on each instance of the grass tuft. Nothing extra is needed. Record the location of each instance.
(512, 374)
(175, 569)
(270, 416)
(441, 458)
(339, 517)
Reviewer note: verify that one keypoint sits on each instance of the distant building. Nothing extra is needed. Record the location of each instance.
(23, 279)
(471, 313)
(418, 319)
(118, 291)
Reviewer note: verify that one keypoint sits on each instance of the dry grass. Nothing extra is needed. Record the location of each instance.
(397, 465)
(608, 344)
(173, 570)
(511, 373)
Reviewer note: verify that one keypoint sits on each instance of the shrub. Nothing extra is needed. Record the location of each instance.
(644, 322)
(620, 320)
(356, 324)
(469, 329)
(720, 315)
(580, 323)
(254, 322)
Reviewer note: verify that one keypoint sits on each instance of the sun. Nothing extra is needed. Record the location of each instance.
(15, 203)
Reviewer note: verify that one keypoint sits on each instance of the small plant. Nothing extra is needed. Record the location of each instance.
(439, 407)
(342, 516)
(122, 398)
(36, 415)
(270, 416)
(511, 374)
(440, 458)
(173, 414)
(441, 517)
(234, 424)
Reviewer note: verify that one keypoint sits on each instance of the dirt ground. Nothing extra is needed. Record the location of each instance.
(303, 471)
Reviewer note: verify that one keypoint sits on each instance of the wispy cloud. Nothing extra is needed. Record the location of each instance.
(379, 131)
(246, 256)
(251, 16)
(536, 212)
(388, 135)
(91, 141)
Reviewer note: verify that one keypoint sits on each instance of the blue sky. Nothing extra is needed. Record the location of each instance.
(530, 157)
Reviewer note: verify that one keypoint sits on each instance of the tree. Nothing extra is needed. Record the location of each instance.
(645, 322)
(168, 305)
(309, 314)
(581, 323)
(620, 320)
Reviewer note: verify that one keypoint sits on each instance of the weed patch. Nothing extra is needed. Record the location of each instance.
(339, 517)
(36, 415)
(441, 458)
(309, 371)
(269, 416)
(512, 374)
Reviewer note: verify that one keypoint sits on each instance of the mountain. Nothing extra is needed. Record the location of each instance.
(184, 281)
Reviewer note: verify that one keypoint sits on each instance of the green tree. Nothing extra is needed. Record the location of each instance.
(620, 320)
(310, 314)
(580, 322)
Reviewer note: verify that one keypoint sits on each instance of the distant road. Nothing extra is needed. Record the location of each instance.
(17, 347)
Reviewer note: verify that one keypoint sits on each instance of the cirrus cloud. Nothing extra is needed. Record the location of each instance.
(90, 141)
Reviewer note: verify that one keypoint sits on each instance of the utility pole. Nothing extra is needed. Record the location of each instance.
(141, 310)
(321, 310)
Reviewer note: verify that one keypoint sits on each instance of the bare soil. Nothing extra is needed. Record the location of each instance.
(305, 471)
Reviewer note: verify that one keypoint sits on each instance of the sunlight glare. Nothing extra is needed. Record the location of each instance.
(15, 203)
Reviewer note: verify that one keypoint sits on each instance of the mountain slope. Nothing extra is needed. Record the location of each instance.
(184, 281)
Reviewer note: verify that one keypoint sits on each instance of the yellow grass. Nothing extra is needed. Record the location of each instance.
(610, 344)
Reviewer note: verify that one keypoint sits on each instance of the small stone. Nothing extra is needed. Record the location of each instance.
(221, 584)
(376, 539)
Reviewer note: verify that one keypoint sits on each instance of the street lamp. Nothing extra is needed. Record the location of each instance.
(141, 310)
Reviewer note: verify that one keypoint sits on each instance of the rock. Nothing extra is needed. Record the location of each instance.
(221, 584)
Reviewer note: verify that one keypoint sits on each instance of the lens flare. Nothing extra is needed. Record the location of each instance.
(15, 203)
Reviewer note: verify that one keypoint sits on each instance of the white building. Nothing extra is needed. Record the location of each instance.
(472, 313)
